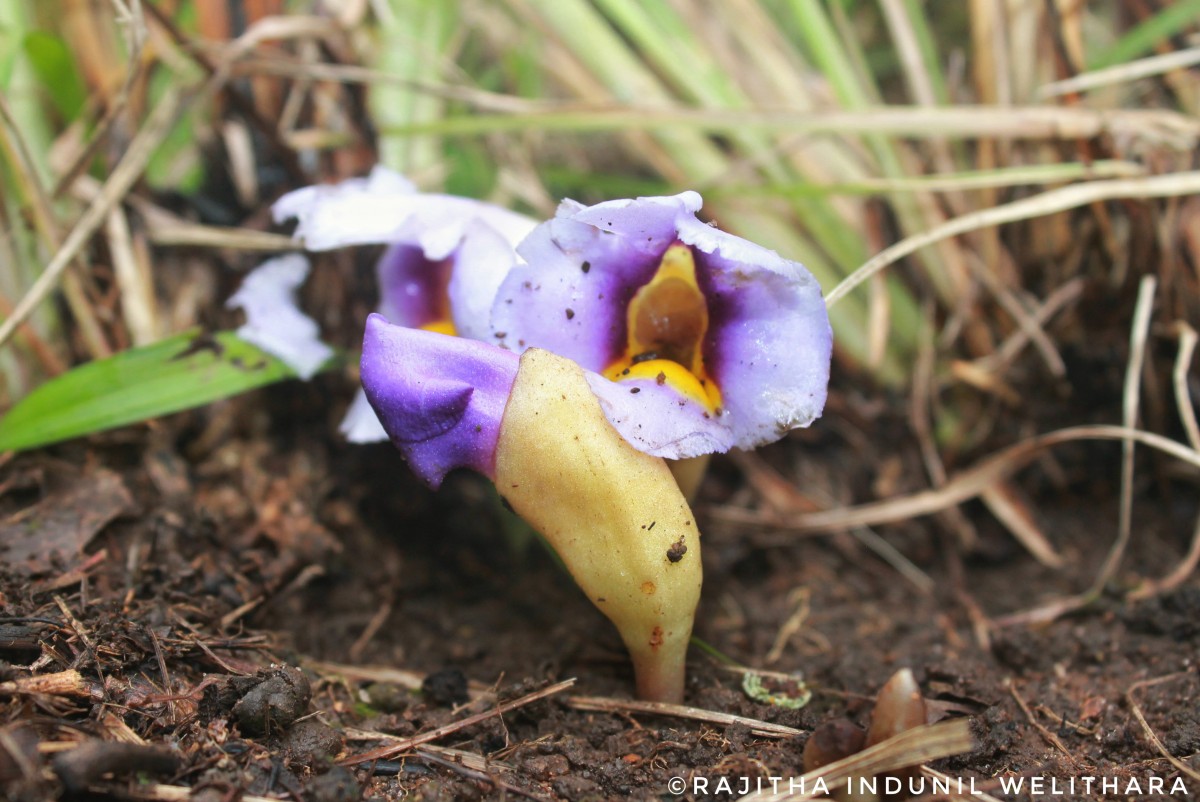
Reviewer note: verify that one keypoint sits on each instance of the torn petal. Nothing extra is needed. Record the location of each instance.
(273, 320)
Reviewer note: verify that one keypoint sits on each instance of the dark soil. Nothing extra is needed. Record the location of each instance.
(232, 601)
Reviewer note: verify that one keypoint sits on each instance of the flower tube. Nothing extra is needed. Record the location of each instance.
(719, 343)
(534, 425)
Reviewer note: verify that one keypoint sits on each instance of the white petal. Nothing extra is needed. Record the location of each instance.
(273, 321)
(386, 208)
(484, 258)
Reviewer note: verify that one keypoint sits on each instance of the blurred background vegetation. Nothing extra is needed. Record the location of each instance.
(141, 144)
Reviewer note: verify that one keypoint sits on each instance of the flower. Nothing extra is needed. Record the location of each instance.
(446, 257)
(717, 342)
(533, 425)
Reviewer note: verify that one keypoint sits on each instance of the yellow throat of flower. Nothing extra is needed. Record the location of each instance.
(445, 326)
(667, 320)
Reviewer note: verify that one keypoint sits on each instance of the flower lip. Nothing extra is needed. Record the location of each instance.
(762, 362)
(440, 398)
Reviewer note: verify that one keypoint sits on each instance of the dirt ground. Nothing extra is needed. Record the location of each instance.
(234, 602)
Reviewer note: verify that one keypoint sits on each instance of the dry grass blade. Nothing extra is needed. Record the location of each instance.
(1002, 502)
(909, 748)
(479, 99)
(387, 675)
(133, 277)
(1056, 200)
(1187, 415)
(27, 174)
(1132, 71)
(399, 747)
(195, 235)
(975, 480)
(1179, 381)
(1168, 128)
(600, 704)
(1139, 331)
(1011, 347)
(1150, 736)
(182, 793)
(155, 129)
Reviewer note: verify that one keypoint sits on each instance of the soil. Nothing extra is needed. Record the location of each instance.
(235, 602)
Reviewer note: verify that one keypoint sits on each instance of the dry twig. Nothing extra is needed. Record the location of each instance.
(391, 750)
(763, 728)
(1150, 736)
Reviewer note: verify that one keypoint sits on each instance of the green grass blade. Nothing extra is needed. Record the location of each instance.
(1142, 38)
(55, 66)
(182, 372)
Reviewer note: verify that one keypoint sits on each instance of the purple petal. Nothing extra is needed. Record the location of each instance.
(273, 320)
(768, 344)
(583, 267)
(440, 398)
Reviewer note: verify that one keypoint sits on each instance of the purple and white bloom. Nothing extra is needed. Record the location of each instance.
(273, 321)
(645, 334)
(716, 342)
(445, 259)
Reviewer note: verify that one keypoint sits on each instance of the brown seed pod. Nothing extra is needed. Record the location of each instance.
(832, 741)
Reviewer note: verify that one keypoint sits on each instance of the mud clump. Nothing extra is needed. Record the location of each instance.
(446, 688)
(279, 698)
(312, 745)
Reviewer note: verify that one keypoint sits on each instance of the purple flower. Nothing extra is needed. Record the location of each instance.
(446, 257)
(716, 343)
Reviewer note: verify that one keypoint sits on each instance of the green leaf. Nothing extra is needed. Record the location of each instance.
(182, 372)
(55, 67)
